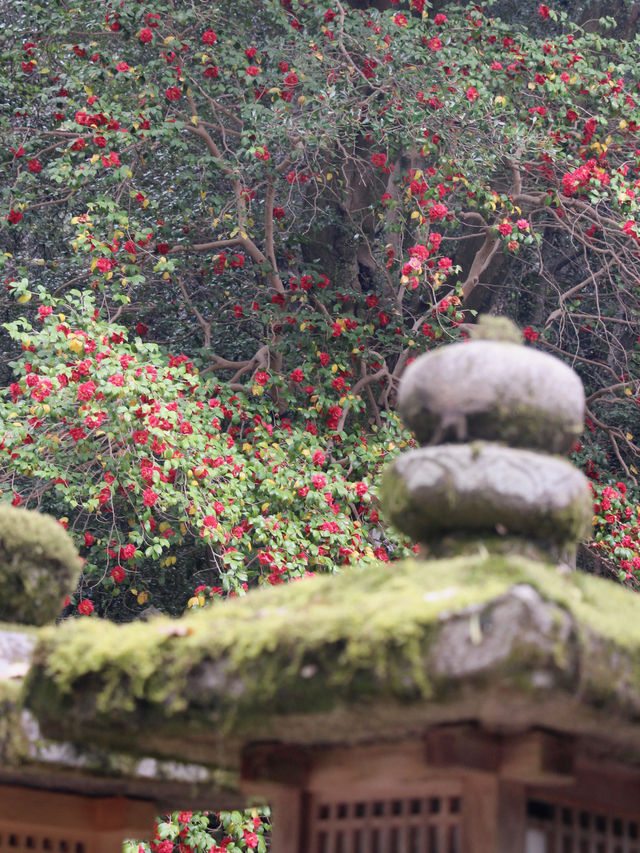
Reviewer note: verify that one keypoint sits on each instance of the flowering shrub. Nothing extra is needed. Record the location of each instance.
(149, 461)
(204, 832)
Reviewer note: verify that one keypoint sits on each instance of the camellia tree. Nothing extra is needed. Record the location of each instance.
(301, 199)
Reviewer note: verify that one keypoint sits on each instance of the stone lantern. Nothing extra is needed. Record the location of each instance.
(482, 697)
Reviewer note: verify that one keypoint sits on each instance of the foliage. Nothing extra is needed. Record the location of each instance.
(155, 467)
(316, 192)
(203, 832)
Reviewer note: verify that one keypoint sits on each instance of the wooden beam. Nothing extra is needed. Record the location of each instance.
(535, 757)
(54, 811)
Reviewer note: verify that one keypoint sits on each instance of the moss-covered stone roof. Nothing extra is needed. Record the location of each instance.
(28, 758)
(379, 650)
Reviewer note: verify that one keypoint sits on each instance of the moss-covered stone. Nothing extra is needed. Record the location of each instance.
(348, 656)
(480, 486)
(494, 391)
(39, 566)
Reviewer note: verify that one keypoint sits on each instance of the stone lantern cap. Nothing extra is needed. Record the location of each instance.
(493, 414)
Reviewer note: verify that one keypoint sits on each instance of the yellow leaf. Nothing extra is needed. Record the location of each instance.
(142, 597)
(628, 392)
(257, 390)
(329, 176)
(183, 528)
(194, 120)
(629, 437)
(25, 297)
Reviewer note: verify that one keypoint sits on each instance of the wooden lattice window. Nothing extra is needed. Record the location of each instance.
(558, 828)
(32, 842)
(416, 824)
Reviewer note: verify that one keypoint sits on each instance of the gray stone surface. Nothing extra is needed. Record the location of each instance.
(459, 488)
(495, 391)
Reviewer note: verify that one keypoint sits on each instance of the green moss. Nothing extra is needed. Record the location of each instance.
(39, 566)
(364, 638)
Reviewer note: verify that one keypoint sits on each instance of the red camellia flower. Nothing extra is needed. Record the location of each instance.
(400, 20)
(104, 264)
(543, 11)
(209, 37)
(127, 552)
(14, 216)
(86, 391)
(44, 311)
(504, 228)
(291, 80)
(522, 225)
(472, 94)
(118, 574)
(172, 93)
(251, 839)
(149, 497)
(146, 35)
(89, 539)
(278, 212)
(261, 377)
(162, 248)
(252, 71)
(379, 159)
(319, 481)
(297, 375)
(250, 52)
(529, 334)
(141, 329)
(34, 165)
(122, 66)
(85, 608)
(440, 19)
(211, 71)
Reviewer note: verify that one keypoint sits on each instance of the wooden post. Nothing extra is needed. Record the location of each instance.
(512, 817)
(480, 814)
